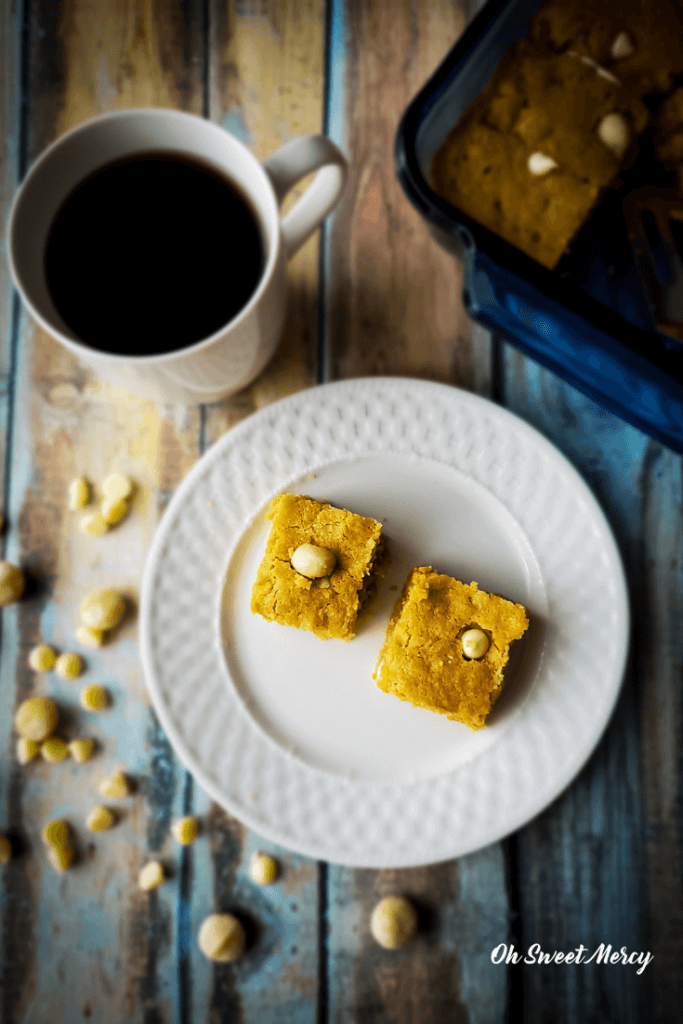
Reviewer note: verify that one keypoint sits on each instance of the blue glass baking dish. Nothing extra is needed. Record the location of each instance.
(589, 319)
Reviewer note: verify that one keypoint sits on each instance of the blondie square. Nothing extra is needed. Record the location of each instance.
(329, 606)
(537, 105)
(422, 660)
(638, 41)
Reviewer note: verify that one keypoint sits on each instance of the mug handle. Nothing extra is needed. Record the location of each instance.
(294, 161)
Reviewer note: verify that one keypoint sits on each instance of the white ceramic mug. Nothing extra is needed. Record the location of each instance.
(229, 359)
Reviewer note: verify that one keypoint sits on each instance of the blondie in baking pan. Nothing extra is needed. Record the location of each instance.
(546, 152)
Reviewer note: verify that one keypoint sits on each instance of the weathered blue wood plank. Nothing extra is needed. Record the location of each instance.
(602, 865)
(394, 306)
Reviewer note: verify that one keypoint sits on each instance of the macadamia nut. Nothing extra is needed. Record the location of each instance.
(221, 938)
(69, 665)
(264, 869)
(393, 922)
(94, 524)
(94, 698)
(54, 750)
(27, 750)
(81, 749)
(117, 487)
(12, 583)
(79, 493)
(103, 609)
(57, 835)
(185, 830)
(42, 658)
(36, 718)
(113, 510)
(312, 561)
(100, 819)
(152, 876)
(90, 637)
(475, 643)
(117, 787)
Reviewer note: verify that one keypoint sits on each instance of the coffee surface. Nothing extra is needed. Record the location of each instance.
(153, 253)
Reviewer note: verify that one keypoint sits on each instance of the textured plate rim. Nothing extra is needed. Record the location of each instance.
(556, 783)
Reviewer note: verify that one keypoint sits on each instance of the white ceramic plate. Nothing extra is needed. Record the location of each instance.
(290, 733)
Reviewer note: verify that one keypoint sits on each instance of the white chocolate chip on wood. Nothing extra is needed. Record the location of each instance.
(79, 493)
(117, 487)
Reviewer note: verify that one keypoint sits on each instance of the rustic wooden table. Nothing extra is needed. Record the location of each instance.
(371, 294)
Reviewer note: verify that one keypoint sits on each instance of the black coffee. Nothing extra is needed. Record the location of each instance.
(153, 253)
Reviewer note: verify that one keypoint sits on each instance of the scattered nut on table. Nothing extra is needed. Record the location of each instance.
(27, 750)
(185, 830)
(222, 938)
(113, 511)
(90, 637)
(312, 561)
(475, 643)
(81, 749)
(117, 487)
(42, 658)
(100, 819)
(94, 524)
(12, 583)
(54, 750)
(36, 718)
(5, 850)
(69, 665)
(79, 493)
(152, 875)
(103, 609)
(116, 787)
(263, 869)
(393, 922)
(94, 698)
(57, 835)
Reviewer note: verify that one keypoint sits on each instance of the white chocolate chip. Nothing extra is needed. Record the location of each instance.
(312, 561)
(622, 46)
(152, 876)
(475, 643)
(94, 523)
(117, 487)
(613, 130)
(113, 510)
(603, 72)
(79, 493)
(539, 164)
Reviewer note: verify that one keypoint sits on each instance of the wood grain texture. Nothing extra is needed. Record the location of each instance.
(90, 945)
(394, 297)
(602, 864)
(394, 307)
(266, 87)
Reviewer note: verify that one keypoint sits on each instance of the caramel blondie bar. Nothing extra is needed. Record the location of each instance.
(336, 554)
(447, 646)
